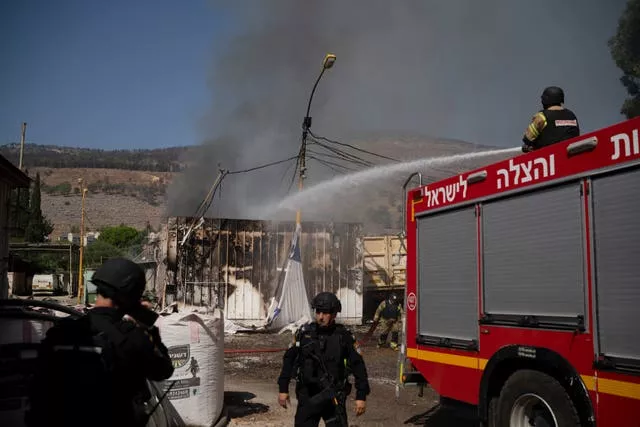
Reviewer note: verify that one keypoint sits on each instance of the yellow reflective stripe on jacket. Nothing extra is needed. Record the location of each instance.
(538, 123)
(533, 131)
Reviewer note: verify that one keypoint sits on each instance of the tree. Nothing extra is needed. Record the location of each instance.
(625, 50)
(121, 236)
(99, 251)
(19, 202)
(39, 227)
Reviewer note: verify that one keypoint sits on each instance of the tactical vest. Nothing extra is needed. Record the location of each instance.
(390, 311)
(561, 125)
(326, 347)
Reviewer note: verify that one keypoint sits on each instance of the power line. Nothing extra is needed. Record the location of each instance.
(346, 155)
(351, 146)
(261, 166)
(286, 171)
(293, 177)
(343, 155)
(330, 156)
(327, 157)
(329, 166)
(329, 163)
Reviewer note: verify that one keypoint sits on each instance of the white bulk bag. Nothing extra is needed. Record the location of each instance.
(196, 346)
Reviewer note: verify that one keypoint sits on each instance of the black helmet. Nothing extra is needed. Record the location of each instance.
(121, 280)
(326, 302)
(393, 298)
(553, 95)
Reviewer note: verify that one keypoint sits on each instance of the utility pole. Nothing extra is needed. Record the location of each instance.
(24, 131)
(80, 260)
(303, 163)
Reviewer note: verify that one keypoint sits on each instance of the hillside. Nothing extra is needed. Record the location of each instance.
(115, 196)
(158, 160)
(137, 196)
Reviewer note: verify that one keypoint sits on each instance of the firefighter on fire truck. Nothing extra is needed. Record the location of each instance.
(552, 124)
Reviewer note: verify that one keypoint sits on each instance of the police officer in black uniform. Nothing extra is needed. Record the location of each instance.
(132, 354)
(553, 124)
(323, 355)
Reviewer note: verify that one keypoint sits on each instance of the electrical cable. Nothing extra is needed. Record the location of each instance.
(344, 154)
(351, 146)
(261, 166)
(327, 163)
(330, 156)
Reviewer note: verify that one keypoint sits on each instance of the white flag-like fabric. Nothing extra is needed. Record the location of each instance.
(292, 304)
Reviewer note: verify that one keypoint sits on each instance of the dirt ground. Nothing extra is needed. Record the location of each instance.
(251, 392)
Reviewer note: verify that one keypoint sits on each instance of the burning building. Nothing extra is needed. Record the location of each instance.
(238, 265)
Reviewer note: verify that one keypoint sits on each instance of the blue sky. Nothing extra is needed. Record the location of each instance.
(159, 73)
(105, 74)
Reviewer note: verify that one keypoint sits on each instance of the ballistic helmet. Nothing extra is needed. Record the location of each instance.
(326, 302)
(120, 279)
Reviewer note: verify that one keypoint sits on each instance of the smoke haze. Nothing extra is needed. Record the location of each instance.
(464, 70)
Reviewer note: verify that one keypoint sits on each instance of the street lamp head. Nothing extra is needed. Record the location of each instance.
(329, 60)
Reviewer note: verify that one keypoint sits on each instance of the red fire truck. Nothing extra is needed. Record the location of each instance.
(523, 285)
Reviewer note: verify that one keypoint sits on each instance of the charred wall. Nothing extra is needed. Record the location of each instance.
(227, 256)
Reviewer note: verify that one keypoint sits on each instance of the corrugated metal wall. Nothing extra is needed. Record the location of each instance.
(236, 264)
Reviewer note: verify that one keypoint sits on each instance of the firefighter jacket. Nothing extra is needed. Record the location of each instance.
(388, 311)
(321, 354)
(550, 126)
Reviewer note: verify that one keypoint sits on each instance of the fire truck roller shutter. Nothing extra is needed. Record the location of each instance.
(616, 208)
(447, 275)
(533, 254)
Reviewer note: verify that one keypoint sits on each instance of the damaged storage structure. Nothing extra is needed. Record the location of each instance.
(238, 264)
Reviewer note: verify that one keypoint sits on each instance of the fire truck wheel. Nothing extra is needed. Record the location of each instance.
(532, 398)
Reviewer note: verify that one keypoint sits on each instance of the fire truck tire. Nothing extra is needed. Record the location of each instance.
(528, 395)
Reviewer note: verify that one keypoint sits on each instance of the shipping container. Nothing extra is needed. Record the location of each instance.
(385, 262)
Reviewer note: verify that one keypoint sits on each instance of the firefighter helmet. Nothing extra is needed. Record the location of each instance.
(393, 298)
(326, 302)
(553, 95)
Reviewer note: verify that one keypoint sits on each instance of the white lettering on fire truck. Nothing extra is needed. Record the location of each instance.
(631, 144)
(447, 193)
(528, 171)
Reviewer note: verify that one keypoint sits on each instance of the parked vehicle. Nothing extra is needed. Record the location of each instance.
(46, 284)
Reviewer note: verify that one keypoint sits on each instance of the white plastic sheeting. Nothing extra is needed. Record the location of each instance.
(245, 303)
(293, 303)
(351, 302)
(196, 346)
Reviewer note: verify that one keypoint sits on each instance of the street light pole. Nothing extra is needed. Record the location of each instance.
(22, 135)
(327, 63)
(80, 258)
